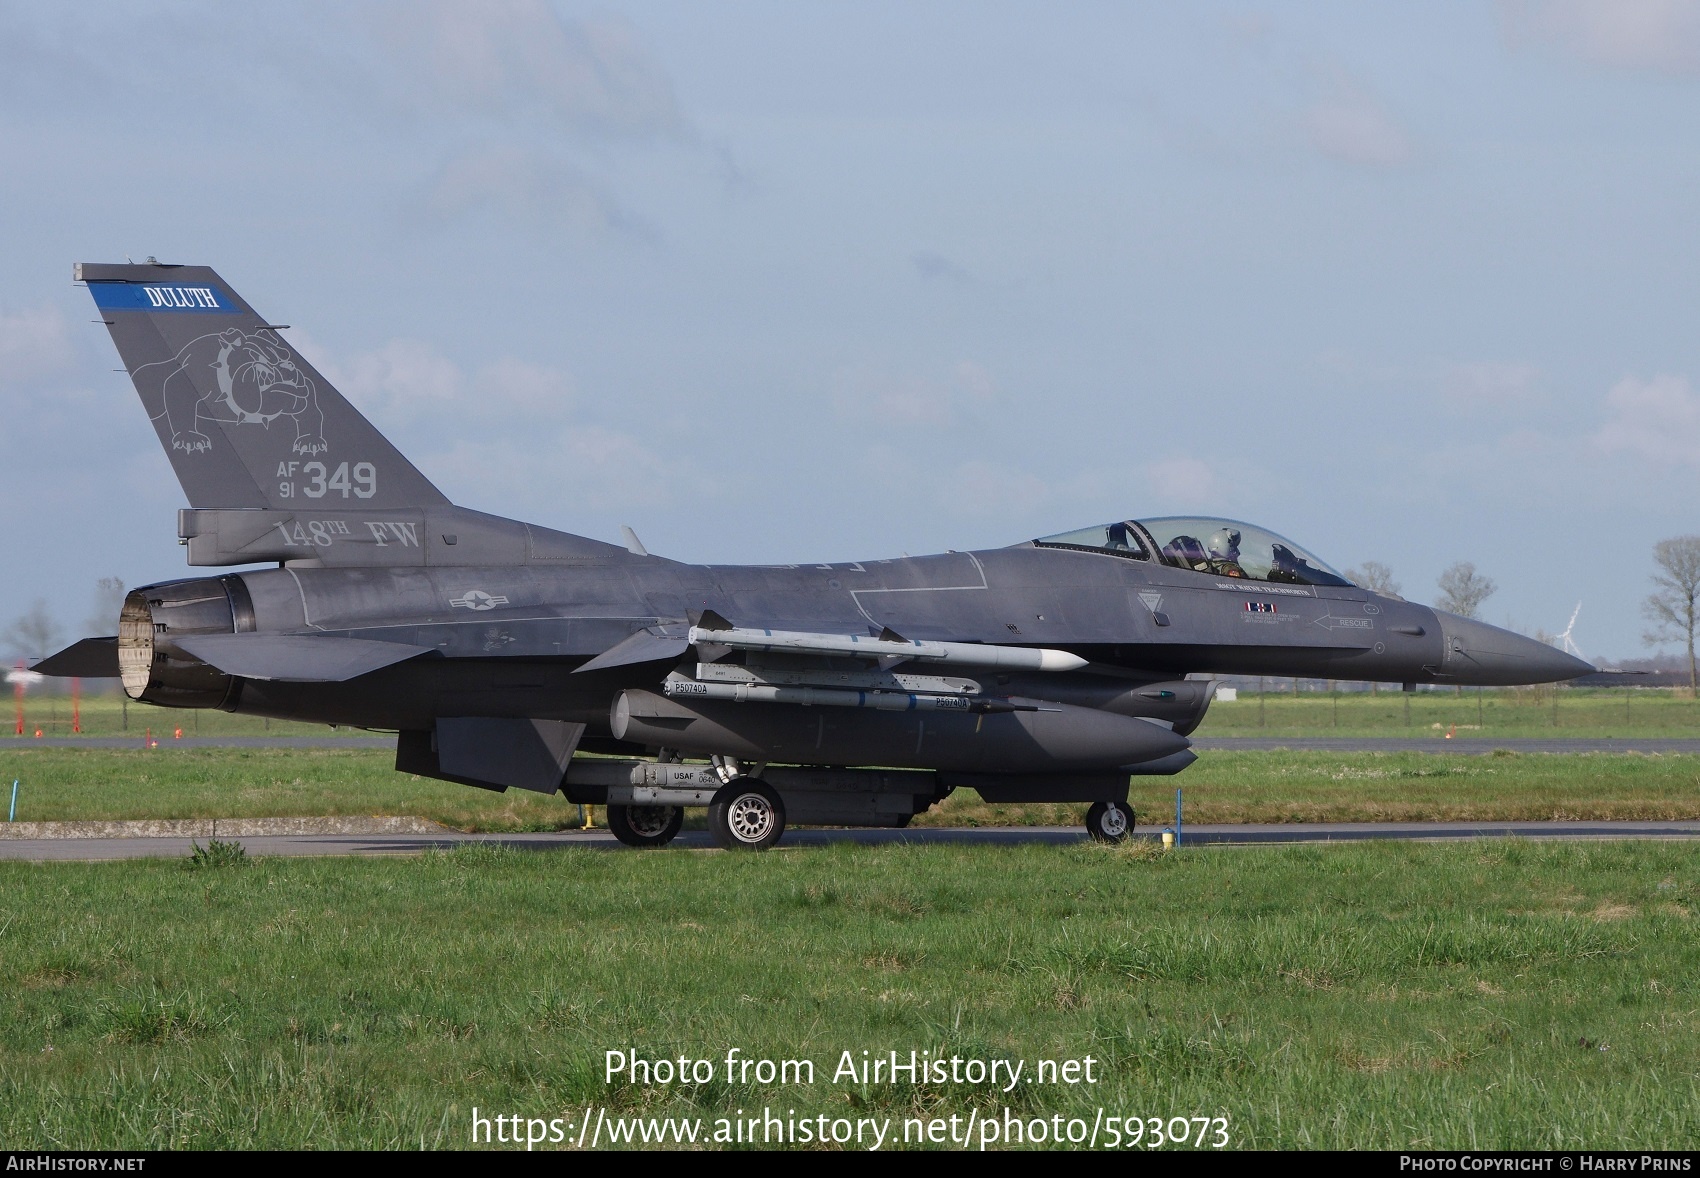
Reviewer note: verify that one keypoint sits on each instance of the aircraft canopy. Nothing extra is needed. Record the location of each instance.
(1204, 544)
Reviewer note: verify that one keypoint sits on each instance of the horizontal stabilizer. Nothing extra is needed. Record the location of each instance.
(297, 658)
(646, 646)
(92, 658)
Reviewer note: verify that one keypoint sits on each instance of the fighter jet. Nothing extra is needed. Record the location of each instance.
(507, 655)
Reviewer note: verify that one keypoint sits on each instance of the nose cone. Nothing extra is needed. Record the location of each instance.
(1476, 653)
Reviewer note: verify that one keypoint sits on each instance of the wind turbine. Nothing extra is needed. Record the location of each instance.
(1565, 642)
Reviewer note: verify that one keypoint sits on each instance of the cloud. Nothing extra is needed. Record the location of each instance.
(502, 57)
(533, 388)
(1351, 125)
(517, 447)
(933, 265)
(584, 468)
(1658, 35)
(407, 380)
(1252, 28)
(907, 399)
(1655, 420)
(973, 381)
(1490, 382)
(34, 342)
(527, 185)
(1022, 500)
(990, 488)
(1183, 480)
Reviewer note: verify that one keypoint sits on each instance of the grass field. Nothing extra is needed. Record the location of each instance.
(71, 784)
(1502, 994)
(109, 715)
(1501, 712)
(1509, 712)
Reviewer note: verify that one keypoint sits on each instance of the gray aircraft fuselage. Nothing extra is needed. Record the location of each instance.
(551, 620)
(1049, 670)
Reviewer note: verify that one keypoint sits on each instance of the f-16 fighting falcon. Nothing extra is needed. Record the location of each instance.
(507, 655)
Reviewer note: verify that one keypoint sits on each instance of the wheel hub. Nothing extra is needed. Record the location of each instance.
(1114, 821)
(750, 817)
(649, 821)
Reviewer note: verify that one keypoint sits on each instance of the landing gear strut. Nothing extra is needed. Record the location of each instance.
(1109, 822)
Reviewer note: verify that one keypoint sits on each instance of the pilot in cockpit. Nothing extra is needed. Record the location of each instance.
(1223, 549)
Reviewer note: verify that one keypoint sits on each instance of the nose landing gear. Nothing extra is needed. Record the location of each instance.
(1109, 822)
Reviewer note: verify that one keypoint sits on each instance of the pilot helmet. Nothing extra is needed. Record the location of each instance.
(1224, 544)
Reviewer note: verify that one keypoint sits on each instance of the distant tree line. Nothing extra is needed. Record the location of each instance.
(1671, 608)
(38, 634)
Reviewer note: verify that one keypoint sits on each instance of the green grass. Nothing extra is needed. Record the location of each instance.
(1285, 786)
(108, 714)
(1280, 786)
(1528, 712)
(1503, 995)
(1499, 712)
(61, 785)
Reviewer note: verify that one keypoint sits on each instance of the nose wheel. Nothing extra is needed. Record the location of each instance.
(1109, 822)
(645, 826)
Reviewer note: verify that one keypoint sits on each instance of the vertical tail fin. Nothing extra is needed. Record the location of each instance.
(246, 422)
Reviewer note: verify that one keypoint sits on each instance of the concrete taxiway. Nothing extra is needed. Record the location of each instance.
(1269, 834)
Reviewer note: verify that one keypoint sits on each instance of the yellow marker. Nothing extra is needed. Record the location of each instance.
(1168, 839)
(590, 818)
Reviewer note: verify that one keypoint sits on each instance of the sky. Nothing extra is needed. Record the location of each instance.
(774, 282)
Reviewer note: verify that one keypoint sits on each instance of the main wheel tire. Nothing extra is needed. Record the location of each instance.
(746, 816)
(645, 826)
(1109, 822)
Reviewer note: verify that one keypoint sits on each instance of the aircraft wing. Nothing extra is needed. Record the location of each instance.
(298, 658)
(91, 658)
(649, 645)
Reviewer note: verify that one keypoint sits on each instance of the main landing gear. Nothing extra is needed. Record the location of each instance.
(746, 815)
(1109, 822)
(645, 826)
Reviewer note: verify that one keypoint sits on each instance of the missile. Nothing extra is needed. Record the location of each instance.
(1022, 658)
(818, 676)
(832, 697)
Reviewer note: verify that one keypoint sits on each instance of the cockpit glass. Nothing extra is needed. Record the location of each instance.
(1119, 539)
(1228, 548)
